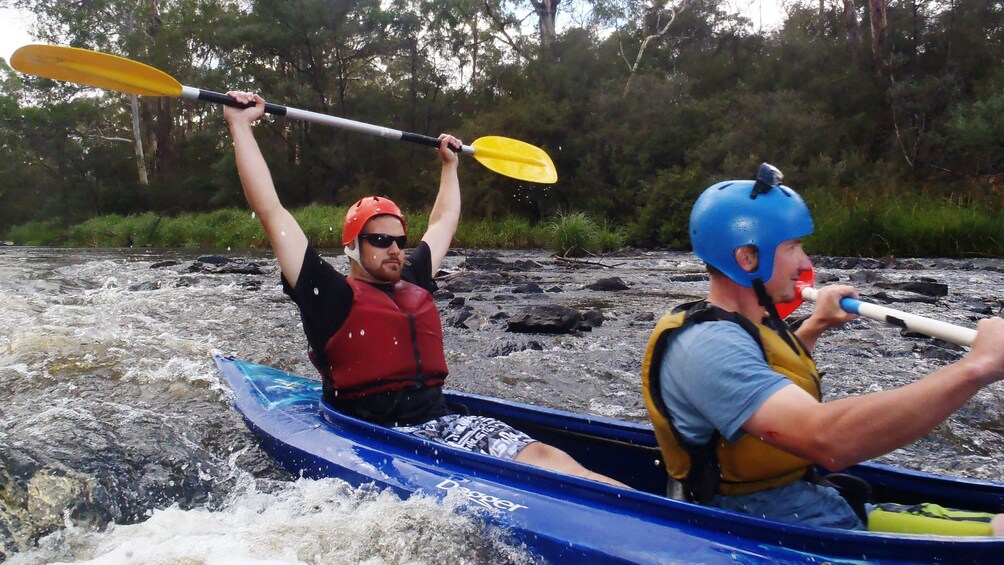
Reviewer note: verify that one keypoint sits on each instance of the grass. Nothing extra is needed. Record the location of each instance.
(847, 224)
(919, 225)
(576, 234)
(233, 228)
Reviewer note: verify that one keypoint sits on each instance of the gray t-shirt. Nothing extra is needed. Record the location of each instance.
(714, 377)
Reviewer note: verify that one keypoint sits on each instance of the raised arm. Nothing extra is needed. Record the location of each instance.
(288, 241)
(445, 213)
(843, 432)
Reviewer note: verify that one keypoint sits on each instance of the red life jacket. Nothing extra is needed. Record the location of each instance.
(388, 342)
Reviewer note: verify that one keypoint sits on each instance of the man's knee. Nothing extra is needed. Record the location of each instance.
(543, 455)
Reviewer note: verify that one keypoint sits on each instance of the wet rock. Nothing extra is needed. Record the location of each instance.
(528, 288)
(485, 263)
(977, 306)
(458, 286)
(526, 265)
(848, 263)
(163, 264)
(147, 286)
(546, 319)
(457, 319)
(594, 318)
(509, 347)
(644, 317)
(932, 351)
(608, 284)
(866, 277)
(214, 260)
(688, 277)
(219, 265)
(952, 265)
(555, 289)
(886, 298)
(458, 301)
(927, 287)
(908, 265)
(825, 278)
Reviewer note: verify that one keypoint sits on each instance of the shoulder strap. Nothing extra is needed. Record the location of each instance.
(705, 473)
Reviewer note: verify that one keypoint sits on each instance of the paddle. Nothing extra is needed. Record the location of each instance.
(934, 328)
(503, 155)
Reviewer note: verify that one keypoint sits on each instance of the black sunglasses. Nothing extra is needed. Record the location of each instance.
(383, 241)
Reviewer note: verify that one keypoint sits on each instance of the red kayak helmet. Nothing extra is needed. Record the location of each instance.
(361, 212)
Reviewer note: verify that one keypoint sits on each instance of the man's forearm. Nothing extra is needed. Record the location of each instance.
(256, 179)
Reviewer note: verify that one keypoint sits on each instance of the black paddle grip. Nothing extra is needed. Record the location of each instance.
(221, 98)
(425, 140)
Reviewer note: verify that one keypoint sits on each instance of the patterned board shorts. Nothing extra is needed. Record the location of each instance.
(473, 433)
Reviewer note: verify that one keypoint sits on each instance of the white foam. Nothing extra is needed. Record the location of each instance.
(307, 521)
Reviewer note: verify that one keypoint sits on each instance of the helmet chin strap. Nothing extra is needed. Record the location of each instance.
(774, 319)
(353, 255)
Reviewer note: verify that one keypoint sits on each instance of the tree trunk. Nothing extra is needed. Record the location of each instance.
(854, 41)
(474, 51)
(659, 30)
(879, 23)
(144, 181)
(547, 11)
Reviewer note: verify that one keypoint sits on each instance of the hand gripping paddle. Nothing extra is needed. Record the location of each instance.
(934, 328)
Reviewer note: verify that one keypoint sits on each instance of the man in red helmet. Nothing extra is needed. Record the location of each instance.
(375, 335)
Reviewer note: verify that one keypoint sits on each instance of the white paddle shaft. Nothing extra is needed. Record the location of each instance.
(934, 328)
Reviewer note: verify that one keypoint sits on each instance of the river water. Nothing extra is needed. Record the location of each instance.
(118, 443)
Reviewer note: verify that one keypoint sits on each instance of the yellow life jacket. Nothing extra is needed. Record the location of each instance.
(748, 465)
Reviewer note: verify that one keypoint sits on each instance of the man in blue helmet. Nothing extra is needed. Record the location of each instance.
(734, 394)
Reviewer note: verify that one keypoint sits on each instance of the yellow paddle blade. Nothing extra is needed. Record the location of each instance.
(514, 158)
(90, 68)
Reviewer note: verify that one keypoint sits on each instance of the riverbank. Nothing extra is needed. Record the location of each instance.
(846, 224)
(235, 229)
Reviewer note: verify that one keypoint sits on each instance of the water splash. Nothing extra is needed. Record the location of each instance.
(307, 521)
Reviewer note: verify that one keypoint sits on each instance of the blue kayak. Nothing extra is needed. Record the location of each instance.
(568, 519)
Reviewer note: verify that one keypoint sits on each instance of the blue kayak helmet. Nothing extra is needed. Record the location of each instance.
(731, 214)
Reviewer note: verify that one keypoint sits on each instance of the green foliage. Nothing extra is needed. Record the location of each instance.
(665, 218)
(503, 233)
(890, 138)
(575, 234)
(321, 224)
(972, 136)
(913, 225)
(42, 232)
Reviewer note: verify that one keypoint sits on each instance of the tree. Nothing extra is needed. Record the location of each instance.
(877, 17)
(657, 18)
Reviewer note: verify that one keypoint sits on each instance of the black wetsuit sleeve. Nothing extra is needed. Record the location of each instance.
(323, 296)
(418, 268)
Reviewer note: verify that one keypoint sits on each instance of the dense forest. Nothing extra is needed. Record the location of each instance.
(865, 105)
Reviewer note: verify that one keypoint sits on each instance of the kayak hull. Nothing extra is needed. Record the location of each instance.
(561, 518)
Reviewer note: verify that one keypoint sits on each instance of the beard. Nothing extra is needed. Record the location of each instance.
(388, 271)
